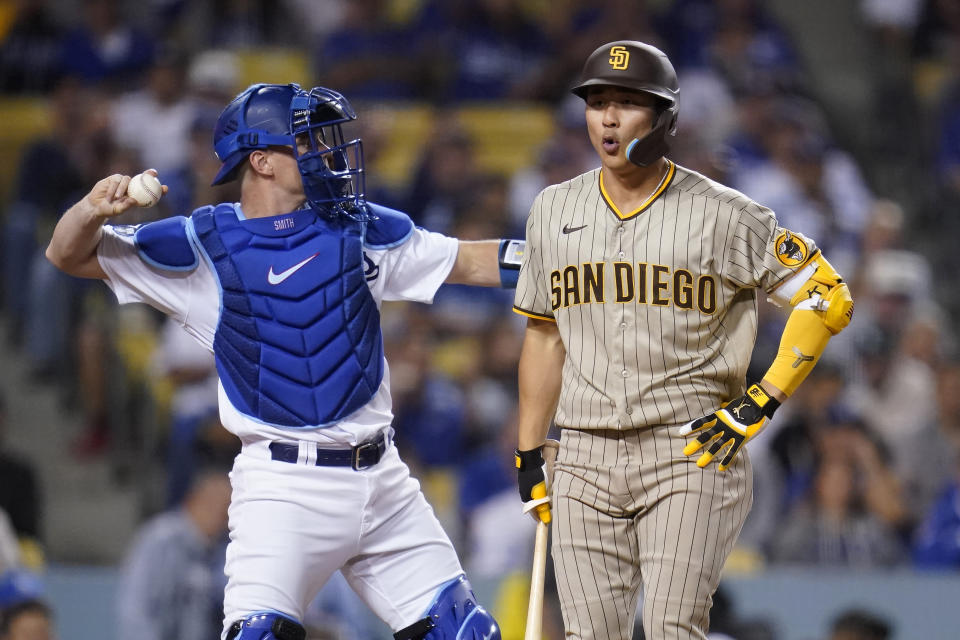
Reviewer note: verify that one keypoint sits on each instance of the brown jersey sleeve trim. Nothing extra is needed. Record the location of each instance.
(531, 314)
(664, 184)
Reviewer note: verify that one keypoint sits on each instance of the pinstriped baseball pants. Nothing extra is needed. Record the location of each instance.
(632, 512)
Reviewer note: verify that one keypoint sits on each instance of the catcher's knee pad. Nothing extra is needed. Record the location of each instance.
(454, 615)
(267, 625)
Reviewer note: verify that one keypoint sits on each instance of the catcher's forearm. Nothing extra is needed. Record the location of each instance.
(73, 246)
(540, 370)
(476, 264)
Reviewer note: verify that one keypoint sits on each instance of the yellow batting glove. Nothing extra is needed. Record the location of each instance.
(731, 427)
(532, 481)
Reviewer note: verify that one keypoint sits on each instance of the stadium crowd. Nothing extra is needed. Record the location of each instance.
(860, 469)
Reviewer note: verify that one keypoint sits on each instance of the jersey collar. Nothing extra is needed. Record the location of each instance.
(664, 183)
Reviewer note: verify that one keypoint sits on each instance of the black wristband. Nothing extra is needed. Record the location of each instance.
(531, 459)
(764, 401)
(510, 256)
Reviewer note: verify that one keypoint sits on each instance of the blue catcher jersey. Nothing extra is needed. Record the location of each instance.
(298, 342)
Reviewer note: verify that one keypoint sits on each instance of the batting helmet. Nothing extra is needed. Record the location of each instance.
(266, 115)
(641, 67)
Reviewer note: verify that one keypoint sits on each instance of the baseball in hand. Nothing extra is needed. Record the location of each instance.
(145, 188)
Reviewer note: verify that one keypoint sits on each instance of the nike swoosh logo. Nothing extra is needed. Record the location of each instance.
(568, 229)
(277, 278)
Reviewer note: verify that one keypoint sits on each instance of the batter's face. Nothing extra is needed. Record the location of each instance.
(615, 116)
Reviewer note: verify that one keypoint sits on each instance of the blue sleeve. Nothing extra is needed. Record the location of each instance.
(166, 245)
(389, 228)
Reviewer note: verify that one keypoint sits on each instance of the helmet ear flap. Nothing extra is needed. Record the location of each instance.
(653, 146)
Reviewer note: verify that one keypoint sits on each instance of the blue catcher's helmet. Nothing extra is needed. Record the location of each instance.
(266, 115)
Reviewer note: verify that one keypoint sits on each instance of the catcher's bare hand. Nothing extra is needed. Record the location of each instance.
(109, 198)
(730, 427)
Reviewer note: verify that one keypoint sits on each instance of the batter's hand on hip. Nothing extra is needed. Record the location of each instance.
(532, 480)
(732, 426)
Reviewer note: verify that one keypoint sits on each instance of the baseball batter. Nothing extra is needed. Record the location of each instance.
(285, 288)
(641, 283)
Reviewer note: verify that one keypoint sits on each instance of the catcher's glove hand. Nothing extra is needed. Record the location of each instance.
(533, 480)
(738, 421)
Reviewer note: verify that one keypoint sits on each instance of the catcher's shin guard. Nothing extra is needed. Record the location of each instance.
(454, 615)
(266, 625)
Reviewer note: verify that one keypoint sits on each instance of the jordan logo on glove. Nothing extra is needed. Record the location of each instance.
(730, 427)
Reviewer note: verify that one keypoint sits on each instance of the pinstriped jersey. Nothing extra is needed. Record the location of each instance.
(657, 308)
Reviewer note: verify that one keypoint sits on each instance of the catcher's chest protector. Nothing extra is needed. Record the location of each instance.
(298, 342)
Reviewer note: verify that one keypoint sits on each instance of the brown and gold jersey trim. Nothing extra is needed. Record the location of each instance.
(667, 179)
(531, 314)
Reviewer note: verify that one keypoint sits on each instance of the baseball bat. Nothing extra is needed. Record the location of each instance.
(535, 607)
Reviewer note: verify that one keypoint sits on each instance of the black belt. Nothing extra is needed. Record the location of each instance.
(362, 456)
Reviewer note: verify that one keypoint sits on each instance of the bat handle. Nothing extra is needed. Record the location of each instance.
(534, 629)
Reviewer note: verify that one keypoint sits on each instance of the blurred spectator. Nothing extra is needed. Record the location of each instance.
(171, 583)
(938, 31)
(561, 158)
(935, 479)
(885, 227)
(318, 17)
(464, 314)
(854, 510)
(572, 30)
(709, 111)
(445, 175)
(9, 549)
(190, 185)
(895, 286)
(190, 371)
(492, 392)
(785, 464)
(894, 20)
(497, 50)
(948, 140)
(499, 535)
(812, 186)
(727, 624)
(891, 388)
(499, 539)
(352, 58)
(376, 127)
(18, 584)
(99, 333)
(213, 78)
(857, 624)
(105, 47)
(755, 107)
(249, 23)
(49, 175)
(735, 37)
(155, 121)
(27, 620)
(428, 405)
(30, 60)
(937, 542)
(20, 498)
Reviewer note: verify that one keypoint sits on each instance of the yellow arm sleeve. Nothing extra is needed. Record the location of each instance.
(822, 307)
(804, 339)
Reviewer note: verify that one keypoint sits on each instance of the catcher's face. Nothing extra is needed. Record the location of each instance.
(615, 116)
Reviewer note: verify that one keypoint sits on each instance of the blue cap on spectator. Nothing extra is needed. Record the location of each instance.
(18, 585)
